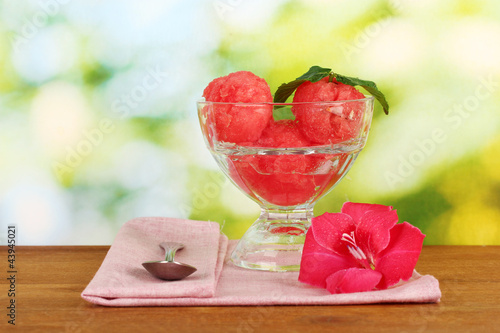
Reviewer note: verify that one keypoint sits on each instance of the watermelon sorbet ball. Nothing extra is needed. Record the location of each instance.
(328, 124)
(284, 179)
(237, 123)
(282, 133)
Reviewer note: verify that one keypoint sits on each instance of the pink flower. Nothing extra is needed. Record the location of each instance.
(360, 249)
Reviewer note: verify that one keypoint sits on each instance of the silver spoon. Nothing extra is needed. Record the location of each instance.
(169, 269)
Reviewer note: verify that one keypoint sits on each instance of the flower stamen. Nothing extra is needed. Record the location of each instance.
(349, 238)
(353, 247)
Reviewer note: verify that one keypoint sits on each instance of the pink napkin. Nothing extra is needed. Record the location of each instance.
(130, 286)
(121, 279)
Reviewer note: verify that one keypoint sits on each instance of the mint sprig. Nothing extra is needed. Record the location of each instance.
(316, 73)
(369, 86)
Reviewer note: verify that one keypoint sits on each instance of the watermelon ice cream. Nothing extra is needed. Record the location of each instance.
(283, 179)
(323, 123)
(287, 180)
(289, 162)
(238, 123)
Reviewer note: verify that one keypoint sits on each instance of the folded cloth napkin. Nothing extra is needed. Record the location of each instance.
(121, 279)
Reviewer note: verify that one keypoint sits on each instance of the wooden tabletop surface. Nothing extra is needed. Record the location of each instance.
(49, 281)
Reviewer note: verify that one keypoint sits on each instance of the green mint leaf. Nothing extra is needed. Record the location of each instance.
(285, 90)
(370, 86)
(314, 74)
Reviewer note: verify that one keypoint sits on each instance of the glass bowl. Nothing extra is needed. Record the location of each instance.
(286, 176)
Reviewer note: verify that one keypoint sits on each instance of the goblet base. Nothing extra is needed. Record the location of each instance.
(274, 242)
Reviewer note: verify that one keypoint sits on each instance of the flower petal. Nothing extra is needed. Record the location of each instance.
(318, 263)
(373, 230)
(328, 229)
(398, 260)
(356, 210)
(352, 280)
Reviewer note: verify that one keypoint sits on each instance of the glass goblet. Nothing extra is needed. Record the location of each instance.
(285, 180)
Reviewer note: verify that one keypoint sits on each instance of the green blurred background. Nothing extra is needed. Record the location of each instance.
(98, 120)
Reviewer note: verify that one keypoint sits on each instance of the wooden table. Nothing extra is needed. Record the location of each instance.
(49, 281)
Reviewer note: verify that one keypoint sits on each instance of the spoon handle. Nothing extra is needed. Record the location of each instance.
(170, 249)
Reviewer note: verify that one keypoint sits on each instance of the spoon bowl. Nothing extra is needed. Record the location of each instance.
(169, 269)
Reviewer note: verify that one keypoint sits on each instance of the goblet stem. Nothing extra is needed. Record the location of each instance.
(300, 215)
(274, 242)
